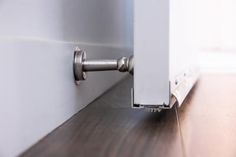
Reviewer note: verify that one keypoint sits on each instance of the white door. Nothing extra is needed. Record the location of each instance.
(163, 56)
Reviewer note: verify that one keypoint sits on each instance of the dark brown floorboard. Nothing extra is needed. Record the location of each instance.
(108, 127)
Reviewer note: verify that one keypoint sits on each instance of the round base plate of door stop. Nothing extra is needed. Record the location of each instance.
(79, 57)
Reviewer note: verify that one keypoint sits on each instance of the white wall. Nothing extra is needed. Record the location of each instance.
(215, 34)
(215, 23)
(89, 21)
(37, 39)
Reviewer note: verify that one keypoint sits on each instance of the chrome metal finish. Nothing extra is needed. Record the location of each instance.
(81, 65)
(79, 57)
(98, 65)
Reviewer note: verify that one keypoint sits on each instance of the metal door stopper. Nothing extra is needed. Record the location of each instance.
(81, 65)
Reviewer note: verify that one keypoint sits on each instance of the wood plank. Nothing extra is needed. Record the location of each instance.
(208, 117)
(109, 127)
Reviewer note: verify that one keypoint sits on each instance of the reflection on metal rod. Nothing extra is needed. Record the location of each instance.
(99, 65)
(81, 65)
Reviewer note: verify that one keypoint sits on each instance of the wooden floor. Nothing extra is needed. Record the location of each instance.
(205, 126)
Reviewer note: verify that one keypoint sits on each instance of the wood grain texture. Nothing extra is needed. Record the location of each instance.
(208, 118)
(108, 127)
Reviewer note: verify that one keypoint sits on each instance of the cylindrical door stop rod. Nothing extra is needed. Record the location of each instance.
(81, 65)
